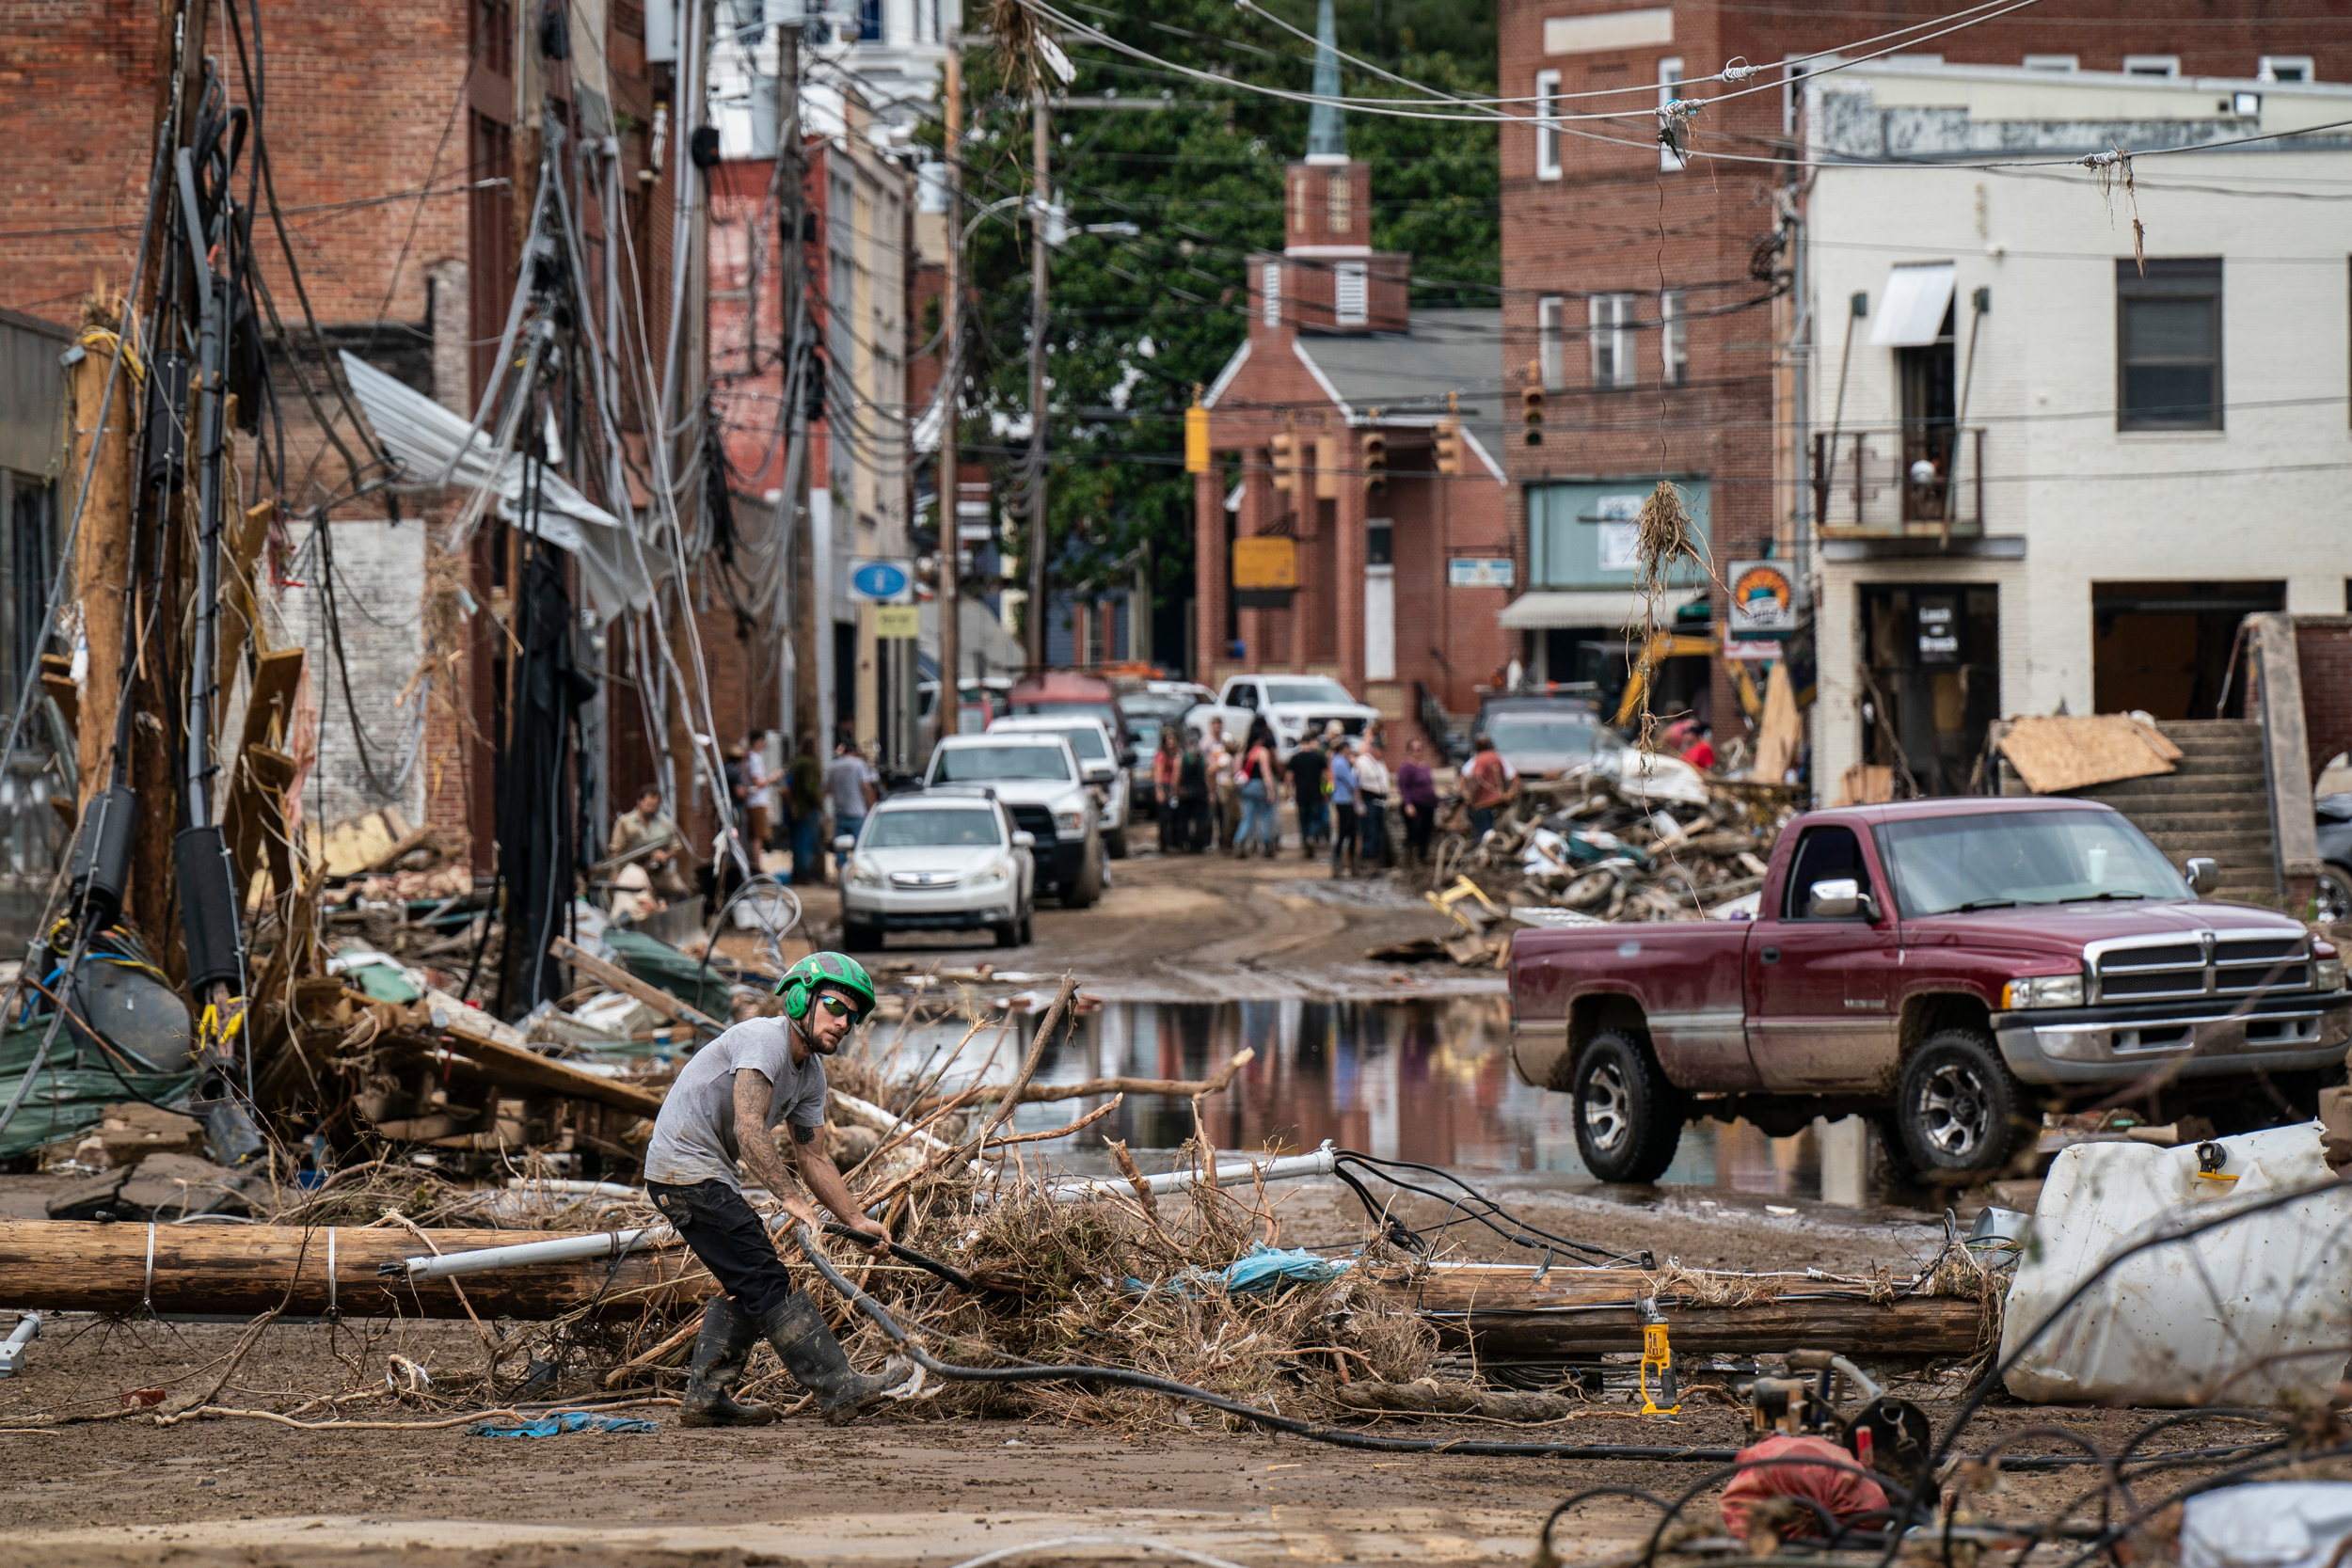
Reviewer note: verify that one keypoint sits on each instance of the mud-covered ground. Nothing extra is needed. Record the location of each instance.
(902, 1488)
(1207, 928)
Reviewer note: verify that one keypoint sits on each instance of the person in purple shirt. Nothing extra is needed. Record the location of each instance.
(1417, 796)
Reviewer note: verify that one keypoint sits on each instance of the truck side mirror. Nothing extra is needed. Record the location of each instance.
(1835, 898)
(2205, 874)
(1024, 841)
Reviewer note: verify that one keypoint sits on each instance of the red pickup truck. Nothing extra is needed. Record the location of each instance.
(1947, 968)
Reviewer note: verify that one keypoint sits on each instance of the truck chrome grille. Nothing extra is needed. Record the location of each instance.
(2213, 963)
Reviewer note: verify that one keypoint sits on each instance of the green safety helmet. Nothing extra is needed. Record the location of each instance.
(800, 983)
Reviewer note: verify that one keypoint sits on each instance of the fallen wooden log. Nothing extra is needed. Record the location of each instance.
(223, 1271)
(1509, 1309)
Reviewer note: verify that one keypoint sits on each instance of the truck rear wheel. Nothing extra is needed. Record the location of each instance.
(1629, 1117)
(1960, 1113)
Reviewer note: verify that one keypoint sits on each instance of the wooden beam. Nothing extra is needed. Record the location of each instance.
(622, 980)
(71, 1266)
(513, 1064)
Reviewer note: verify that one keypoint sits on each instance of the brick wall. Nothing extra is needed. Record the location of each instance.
(2323, 646)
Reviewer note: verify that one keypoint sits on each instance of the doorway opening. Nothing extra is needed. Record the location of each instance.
(2166, 648)
(1931, 682)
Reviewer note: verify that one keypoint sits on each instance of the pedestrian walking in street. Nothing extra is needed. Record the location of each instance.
(1486, 785)
(1261, 821)
(1308, 767)
(1373, 787)
(760, 801)
(1168, 765)
(1344, 803)
(1224, 791)
(852, 787)
(804, 800)
(1192, 796)
(1417, 797)
(726, 1106)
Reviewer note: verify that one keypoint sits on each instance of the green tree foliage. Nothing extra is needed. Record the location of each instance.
(1135, 324)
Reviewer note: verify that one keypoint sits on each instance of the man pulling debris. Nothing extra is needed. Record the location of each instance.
(760, 1075)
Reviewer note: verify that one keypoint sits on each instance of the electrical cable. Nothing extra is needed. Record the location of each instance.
(1516, 1232)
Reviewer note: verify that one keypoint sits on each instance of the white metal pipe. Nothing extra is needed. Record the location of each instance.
(1289, 1167)
(567, 1188)
(561, 1249)
(12, 1351)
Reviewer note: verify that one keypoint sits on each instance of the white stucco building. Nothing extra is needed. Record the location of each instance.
(2045, 477)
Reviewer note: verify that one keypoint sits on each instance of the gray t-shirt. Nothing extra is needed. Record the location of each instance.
(695, 1137)
(846, 778)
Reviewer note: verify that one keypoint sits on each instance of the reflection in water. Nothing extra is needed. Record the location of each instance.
(1428, 1081)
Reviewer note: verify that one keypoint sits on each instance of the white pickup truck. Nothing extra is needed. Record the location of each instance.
(1290, 705)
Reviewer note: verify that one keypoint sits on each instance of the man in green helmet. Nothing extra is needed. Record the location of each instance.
(726, 1106)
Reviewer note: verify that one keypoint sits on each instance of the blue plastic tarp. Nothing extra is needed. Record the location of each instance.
(557, 1422)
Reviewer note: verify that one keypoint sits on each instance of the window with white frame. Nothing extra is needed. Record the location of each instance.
(1674, 336)
(1611, 318)
(1551, 328)
(2062, 63)
(2152, 65)
(1546, 125)
(1669, 88)
(1270, 293)
(1350, 297)
(2286, 68)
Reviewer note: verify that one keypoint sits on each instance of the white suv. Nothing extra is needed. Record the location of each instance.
(1099, 762)
(1036, 778)
(944, 859)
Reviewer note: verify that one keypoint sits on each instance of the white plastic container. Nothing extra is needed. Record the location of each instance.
(2232, 1316)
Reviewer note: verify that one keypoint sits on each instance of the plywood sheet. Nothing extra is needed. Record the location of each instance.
(2053, 752)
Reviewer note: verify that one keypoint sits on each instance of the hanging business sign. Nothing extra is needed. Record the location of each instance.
(1465, 571)
(1764, 599)
(880, 580)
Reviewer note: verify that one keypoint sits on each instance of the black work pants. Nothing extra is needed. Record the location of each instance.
(728, 1236)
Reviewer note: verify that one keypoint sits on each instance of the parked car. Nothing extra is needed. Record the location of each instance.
(949, 859)
(1544, 735)
(1099, 764)
(1944, 968)
(1290, 705)
(2333, 900)
(1036, 778)
(1060, 692)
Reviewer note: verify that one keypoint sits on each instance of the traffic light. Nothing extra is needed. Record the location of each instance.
(1327, 467)
(1196, 436)
(1376, 461)
(1448, 446)
(1532, 403)
(1284, 446)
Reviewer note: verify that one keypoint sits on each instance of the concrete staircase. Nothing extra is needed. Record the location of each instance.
(2217, 802)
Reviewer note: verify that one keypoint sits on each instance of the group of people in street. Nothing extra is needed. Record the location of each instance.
(1217, 792)
(784, 810)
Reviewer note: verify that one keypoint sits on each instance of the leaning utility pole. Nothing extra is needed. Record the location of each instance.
(791, 219)
(1041, 202)
(947, 486)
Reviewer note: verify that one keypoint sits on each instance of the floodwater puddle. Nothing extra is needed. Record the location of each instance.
(1428, 1081)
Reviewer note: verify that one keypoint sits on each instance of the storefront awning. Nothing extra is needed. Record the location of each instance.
(1611, 607)
(1911, 313)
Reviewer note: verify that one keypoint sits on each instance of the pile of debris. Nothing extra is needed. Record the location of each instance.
(1592, 847)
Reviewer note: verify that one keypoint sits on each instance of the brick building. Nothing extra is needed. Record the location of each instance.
(1367, 437)
(1651, 294)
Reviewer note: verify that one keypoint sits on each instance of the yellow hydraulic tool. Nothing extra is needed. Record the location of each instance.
(1463, 888)
(1657, 1356)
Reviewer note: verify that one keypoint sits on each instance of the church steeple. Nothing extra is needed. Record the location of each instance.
(1326, 131)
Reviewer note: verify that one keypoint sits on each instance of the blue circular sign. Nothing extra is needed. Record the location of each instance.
(880, 580)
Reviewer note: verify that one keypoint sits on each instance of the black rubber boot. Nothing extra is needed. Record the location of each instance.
(816, 1361)
(720, 1352)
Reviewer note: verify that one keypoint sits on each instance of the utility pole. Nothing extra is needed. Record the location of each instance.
(947, 487)
(1039, 204)
(102, 551)
(792, 207)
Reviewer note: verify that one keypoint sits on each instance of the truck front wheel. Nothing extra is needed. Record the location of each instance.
(1629, 1117)
(1960, 1113)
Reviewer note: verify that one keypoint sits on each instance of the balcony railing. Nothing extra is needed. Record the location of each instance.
(1911, 481)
